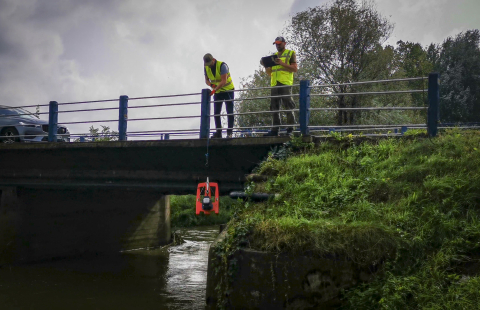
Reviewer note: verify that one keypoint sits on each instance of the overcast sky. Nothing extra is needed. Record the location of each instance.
(72, 50)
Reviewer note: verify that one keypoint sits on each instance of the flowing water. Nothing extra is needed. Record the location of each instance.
(168, 278)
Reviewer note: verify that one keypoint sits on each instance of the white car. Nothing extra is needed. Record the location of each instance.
(19, 125)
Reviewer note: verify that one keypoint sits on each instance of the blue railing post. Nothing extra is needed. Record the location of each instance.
(304, 106)
(53, 121)
(122, 118)
(433, 103)
(205, 114)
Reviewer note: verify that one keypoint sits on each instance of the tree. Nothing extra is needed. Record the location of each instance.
(458, 62)
(413, 61)
(337, 43)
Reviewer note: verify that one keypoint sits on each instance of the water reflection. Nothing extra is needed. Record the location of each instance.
(168, 278)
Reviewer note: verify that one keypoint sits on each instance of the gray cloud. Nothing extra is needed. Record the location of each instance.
(430, 21)
(302, 5)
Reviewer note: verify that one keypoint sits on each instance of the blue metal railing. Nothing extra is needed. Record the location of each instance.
(304, 111)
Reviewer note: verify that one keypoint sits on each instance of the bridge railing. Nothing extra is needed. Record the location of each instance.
(123, 119)
(109, 115)
(306, 93)
(363, 126)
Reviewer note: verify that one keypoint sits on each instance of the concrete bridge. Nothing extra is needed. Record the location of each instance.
(63, 199)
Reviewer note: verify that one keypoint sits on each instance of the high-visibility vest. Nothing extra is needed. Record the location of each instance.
(279, 73)
(218, 78)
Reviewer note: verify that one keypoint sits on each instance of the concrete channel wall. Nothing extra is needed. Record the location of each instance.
(38, 224)
(261, 280)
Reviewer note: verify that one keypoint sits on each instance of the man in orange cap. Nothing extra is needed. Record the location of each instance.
(282, 75)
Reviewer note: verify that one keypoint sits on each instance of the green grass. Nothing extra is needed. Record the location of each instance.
(411, 205)
(182, 210)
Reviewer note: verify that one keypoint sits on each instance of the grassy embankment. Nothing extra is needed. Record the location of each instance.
(411, 205)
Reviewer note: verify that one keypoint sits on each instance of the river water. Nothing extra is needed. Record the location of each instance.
(167, 278)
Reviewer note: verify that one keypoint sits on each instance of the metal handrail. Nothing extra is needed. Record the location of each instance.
(369, 82)
(365, 126)
(204, 128)
(268, 87)
(257, 112)
(255, 98)
(371, 93)
(368, 109)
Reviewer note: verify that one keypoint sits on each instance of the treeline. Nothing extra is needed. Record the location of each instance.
(344, 42)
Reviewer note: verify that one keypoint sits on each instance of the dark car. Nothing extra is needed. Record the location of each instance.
(19, 125)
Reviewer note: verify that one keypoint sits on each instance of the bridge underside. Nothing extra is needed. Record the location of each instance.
(64, 199)
(38, 224)
(166, 167)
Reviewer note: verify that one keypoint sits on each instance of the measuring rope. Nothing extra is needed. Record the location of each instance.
(206, 155)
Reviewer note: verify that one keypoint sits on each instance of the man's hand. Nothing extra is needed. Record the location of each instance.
(280, 62)
(268, 71)
(213, 86)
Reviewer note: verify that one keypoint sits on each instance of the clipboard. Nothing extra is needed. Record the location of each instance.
(269, 61)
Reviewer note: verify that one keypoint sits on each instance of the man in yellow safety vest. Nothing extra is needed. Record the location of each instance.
(217, 76)
(281, 76)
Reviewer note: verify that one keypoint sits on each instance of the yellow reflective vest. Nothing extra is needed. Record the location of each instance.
(279, 73)
(218, 78)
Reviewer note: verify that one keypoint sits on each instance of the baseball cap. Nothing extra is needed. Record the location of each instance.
(279, 40)
(208, 59)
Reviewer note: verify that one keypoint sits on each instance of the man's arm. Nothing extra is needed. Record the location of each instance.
(224, 70)
(292, 67)
(222, 82)
(207, 81)
(267, 70)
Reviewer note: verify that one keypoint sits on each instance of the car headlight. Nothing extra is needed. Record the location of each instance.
(30, 125)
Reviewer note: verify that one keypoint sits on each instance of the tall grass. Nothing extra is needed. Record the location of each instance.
(411, 205)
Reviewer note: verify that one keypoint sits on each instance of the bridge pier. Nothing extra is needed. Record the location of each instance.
(38, 224)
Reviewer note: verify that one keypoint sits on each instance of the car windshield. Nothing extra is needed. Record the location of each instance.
(17, 112)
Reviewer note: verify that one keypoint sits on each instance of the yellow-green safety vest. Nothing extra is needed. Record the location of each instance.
(279, 73)
(218, 78)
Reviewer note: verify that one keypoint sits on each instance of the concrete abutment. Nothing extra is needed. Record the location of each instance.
(266, 280)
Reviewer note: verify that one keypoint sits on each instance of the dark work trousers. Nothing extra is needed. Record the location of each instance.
(226, 97)
(288, 104)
